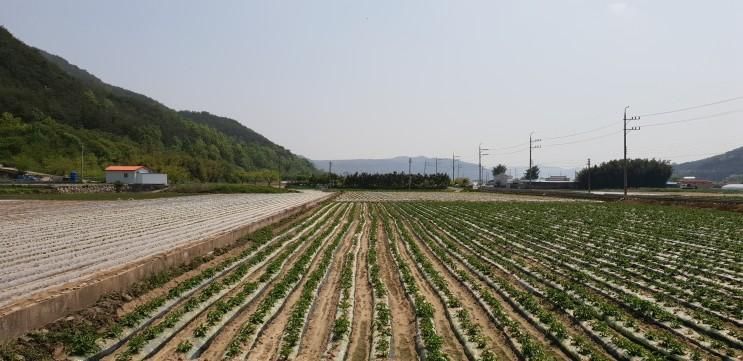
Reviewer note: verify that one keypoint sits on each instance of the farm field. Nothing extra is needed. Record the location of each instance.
(456, 281)
(48, 244)
(404, 196)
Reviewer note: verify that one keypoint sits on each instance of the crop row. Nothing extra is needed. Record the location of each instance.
(617, 322)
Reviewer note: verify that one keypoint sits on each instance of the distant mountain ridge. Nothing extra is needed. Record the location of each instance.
(51, 109)
(421, 164)
(715, 168)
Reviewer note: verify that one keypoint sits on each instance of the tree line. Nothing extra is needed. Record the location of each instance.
(640, 173)
(365, 180)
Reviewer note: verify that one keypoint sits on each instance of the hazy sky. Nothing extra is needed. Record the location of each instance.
(372, 79)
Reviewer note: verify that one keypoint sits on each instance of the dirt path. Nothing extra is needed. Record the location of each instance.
(322, 314)
(267, 345)
(494, 337)
(358, 348)
(222, 340)
(403, 318)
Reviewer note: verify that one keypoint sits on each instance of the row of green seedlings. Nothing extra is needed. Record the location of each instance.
(248, 332)
(635, 262)
(381, 315)
(520, 341)
(659, 261)
(547, 322)
(642, 308)
(149, 339)
(663, 284)
(613, 342)
(337, 347)
(145, 313)
(687, 237)
(579, 314)
(428, 342)
(469, 333)
(223, 311)
(667, 292)
(300, 312)
(712, 299)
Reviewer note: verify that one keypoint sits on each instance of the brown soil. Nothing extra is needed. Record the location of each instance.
(222, 340)
(358, 348)
(322, 315)
(267, 344)
(239, 247)
(537, 335)
(495, 338)
(403, 317)
(451, 345)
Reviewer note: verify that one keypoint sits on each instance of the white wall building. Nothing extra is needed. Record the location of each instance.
(134, 174)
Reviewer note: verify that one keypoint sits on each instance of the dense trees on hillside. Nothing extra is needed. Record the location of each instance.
(50, 107)
(640, 173)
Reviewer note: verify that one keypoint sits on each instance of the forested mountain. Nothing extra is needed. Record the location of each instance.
(715, 168)
(50, 107)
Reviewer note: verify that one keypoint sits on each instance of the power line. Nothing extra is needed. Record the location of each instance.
(692, 107)
(657, 124)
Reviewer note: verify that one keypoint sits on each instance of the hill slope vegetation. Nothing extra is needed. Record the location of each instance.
(51, 109)
(716, 168)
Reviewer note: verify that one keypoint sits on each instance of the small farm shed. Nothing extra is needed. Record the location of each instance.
(134, 174)
(694, 183)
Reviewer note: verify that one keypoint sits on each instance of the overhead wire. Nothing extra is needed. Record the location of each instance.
(692, 107)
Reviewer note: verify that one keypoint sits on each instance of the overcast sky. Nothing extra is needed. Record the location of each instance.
(371, 79)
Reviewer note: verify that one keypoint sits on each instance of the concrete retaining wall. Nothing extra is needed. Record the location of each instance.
(19, 318)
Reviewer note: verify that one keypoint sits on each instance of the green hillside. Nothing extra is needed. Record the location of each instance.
(717, 168)
(49, 107)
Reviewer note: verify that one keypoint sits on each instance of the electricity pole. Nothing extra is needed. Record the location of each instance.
(82, 162)
(589, 175)
(436, 166)
(532, 146)
(425, 166)
(626, 121)
(410, 175)
(453, 160)
(480, 153)
(330, 171)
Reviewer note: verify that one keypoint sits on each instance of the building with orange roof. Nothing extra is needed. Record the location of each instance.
(134, 174)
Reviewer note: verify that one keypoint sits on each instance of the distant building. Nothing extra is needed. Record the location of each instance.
(694, 183)
(557, 178)
(134, 174)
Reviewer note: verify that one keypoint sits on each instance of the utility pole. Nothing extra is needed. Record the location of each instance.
(425, 166)
(589, 175)
(410, 175)
(82, 162)
(453, 160)
(330, 171)
(436, 165)
(480, 153)
(532, 146)
(626, 121)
